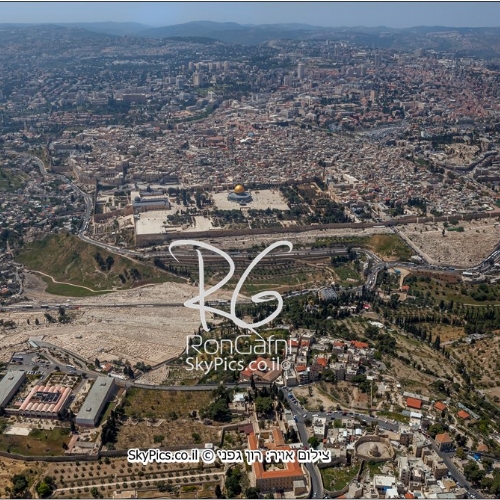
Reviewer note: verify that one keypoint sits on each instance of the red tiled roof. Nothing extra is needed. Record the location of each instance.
(443, 438)
(246, 372)
(247, 429)
(291, 469)
(321, 361)
(359, 345)
(440, 406)
(414, 403)
(463, 414)
(255, 365)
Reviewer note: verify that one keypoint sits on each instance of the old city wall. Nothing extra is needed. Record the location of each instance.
(155, 239)
(115, 213)
(345, 489)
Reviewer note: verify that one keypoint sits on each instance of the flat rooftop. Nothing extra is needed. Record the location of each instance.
(95, 397)
(152, 222)
(11, 380)
(262, 199)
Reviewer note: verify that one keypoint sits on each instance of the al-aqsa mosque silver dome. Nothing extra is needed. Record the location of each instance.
(240, 195)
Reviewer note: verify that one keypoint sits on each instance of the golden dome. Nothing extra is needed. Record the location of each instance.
(239, 189)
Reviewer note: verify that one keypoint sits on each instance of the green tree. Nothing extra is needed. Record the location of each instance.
(95, 492)
(313, 441)
(487, 463)
(394, 302)
(109, 262)
(218, 410)
(473, 473)
(232, 483)
(437, 343)
(435, 429)
(43, 490)
(50, 318)
(371, 331)
(46, 487)
(252, 493)
(19, 485)
(263, 405)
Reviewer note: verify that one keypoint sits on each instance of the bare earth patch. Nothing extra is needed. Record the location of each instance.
(455, 248)
(317, 398)
(9, 468)
(482, 359)
(135, 334)
(148, 334)
(174, 434)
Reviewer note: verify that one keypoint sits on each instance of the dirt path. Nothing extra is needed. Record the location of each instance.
(403, 274)
(34, 286)
(71, 284)
(86, 287)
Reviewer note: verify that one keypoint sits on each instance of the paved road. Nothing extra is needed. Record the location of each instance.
(459, 477)
(37, 160)
(51, 306)
(312, 469)
(301, 415)
(484, 266)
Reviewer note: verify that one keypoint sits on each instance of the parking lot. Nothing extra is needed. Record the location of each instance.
(32, 363)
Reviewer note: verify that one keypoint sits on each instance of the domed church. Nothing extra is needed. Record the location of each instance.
(240, 195)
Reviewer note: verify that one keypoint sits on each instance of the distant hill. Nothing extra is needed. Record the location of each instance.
(16, 33)
(233, 32)
(109, 28)
(462, 41)
(13, 25)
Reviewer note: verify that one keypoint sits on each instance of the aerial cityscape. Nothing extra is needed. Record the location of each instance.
(253, 256)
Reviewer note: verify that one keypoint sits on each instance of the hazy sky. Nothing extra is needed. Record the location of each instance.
(391, 14)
